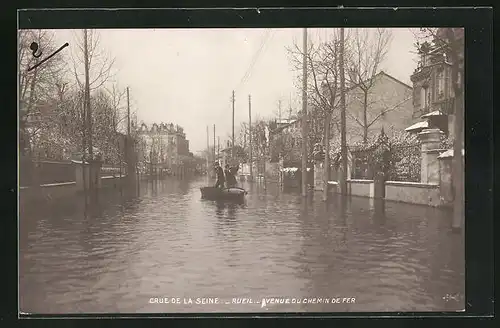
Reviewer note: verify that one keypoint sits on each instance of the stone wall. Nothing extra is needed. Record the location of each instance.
(413, 192)
(435, 187)
(407, 192)
(445, 185)
(364, 188)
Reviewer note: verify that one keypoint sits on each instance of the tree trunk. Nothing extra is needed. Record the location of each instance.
(457, 162)
(365, 117)
(35, 177)
(326, 169)
(343, 185)
(88, 111)
(458, 166)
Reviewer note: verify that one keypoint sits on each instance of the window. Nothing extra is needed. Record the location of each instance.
(423, 97)
(427, 98)
(440, 84)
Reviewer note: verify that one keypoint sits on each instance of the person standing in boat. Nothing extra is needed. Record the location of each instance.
(230, 178)
(219, 173)
(234, 172)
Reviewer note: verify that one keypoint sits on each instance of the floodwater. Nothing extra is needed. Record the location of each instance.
(161, 249)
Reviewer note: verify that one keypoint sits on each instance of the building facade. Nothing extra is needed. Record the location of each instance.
(285, 143)
(388, 107)
(164, 144)
(433, 90)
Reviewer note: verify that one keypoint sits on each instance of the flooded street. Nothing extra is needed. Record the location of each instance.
(136, 251)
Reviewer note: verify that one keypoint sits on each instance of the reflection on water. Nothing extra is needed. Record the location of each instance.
(161, 240)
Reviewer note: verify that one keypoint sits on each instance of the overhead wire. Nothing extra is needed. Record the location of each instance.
(264, 43)
(255, 56)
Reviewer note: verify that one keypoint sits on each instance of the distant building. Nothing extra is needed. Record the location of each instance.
(284, 122)
(288, 125)
(285, 142)
(164, 143)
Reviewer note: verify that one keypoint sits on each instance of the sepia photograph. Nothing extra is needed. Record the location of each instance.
(241, 170)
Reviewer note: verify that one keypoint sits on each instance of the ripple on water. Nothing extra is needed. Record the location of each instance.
(170, 243)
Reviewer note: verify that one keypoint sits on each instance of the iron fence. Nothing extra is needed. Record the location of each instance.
(405, 163)
(400, 163)
(112, 170)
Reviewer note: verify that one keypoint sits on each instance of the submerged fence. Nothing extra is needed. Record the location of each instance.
(49, 172)
(112, 170)
(46, 172)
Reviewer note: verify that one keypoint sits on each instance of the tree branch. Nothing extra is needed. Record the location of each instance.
(355, 119)
(388, 110)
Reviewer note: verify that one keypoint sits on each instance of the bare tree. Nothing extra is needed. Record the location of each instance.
(242, 135)
(368, 49)
(101, 63)
(92, 68)
(37, 87)
(117, 97)
(71, 117)
(260, 142)
(323, 90)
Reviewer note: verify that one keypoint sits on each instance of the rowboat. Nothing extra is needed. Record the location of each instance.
(230, 194)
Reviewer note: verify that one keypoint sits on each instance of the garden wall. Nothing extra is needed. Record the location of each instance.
(407, 192)
(413, 192)
(358, 187)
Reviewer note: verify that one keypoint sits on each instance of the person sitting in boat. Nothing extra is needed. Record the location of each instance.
(230, 178)
(219, 173)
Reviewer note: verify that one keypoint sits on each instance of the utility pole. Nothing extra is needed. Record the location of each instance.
(128, 112)
(214, 144)
(87, 105)
(232, 146)
(208, 152)
(279, 111)
(84, 146)
(250, 135)
(218, 148)
(127, 155)
(304, 115)
(343, 141)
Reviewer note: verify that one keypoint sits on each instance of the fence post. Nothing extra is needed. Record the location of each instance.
(445, 183)
(430, 140)
(318, 176)
(79, 167)
(379, 185)
(96, 172)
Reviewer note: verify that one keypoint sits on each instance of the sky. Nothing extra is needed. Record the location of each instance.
(186, 76)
